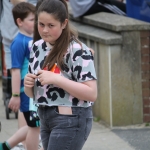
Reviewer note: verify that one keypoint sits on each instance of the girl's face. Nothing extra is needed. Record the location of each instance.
(49, 28)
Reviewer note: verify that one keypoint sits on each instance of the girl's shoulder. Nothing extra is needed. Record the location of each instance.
(38, 45)
(75, 46)
(39, 42)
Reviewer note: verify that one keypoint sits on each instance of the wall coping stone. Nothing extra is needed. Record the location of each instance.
(112, 22)
(97, 34)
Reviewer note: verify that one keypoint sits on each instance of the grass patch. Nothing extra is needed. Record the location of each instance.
(96, 119)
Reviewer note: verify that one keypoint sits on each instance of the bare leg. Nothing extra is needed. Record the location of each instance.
(21, 120)
(18, 137)
(21, 123)
(32, 139)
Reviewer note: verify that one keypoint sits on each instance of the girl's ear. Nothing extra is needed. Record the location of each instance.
(64, 23)
(19, 22)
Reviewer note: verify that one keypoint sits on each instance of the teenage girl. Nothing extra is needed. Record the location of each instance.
(61, 80)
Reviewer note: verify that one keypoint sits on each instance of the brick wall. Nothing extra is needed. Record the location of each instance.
(145, 65)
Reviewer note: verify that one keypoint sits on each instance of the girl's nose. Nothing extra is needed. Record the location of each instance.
(45, 29)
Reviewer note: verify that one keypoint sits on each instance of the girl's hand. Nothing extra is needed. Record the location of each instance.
(92, 51)
(47, 77)
(29, 80)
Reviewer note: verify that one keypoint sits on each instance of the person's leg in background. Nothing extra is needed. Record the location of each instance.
(21, 123)
(7, 56)
(96, 8)
(120, 5)
(18, 137)
(99, 8)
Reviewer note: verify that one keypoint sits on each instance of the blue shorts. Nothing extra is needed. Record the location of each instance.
(25, 102)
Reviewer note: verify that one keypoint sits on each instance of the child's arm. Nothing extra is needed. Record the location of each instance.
(84, 91)
(28, 91)
(92, 51)
(14, 103)
(29, 83)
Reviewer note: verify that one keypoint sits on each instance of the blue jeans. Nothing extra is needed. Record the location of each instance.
(65, 132)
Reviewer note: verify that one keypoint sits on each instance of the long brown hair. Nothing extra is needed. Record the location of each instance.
(36, 35)
(59, 10)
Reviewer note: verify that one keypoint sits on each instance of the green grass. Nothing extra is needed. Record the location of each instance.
(147, 124)
(96, 119)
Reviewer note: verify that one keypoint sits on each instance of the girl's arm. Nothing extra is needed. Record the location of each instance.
(28, 91)
(29, 84)
(84, 91)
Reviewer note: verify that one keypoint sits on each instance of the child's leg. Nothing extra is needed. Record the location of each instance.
(21, 120)
(32, 139)
(21, 123)
(18, 137)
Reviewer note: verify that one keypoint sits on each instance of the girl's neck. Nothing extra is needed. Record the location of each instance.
(49, 45)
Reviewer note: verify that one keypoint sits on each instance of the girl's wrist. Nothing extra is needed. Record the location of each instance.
(58, 78)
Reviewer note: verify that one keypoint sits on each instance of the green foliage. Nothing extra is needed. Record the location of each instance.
(147, 124)
(96, 119)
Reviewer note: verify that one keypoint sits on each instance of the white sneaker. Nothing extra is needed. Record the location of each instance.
(40, 145)
(19, 147)
(15, 148)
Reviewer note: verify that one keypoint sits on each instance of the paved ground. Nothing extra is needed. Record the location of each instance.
(138, 138)
(101, 137)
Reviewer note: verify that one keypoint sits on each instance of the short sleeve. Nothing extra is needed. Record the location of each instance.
(34, 62)
(31, 59)
(17, 54)
(82, 63)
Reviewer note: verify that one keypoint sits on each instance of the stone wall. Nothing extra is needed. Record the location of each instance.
(122, 60)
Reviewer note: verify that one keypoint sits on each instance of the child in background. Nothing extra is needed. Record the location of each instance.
(24, 14)
(8, 31)
(61, 80)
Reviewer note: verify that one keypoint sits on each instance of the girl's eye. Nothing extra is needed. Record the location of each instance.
(32, 19)
(41, 24)
(51, 25)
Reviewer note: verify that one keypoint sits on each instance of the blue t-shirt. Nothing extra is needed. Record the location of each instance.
(20, 51)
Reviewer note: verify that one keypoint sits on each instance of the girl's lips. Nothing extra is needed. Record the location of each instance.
(45, 35)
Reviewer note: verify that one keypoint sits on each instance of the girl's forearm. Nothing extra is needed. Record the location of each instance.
(28, 91)
(84, 91)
